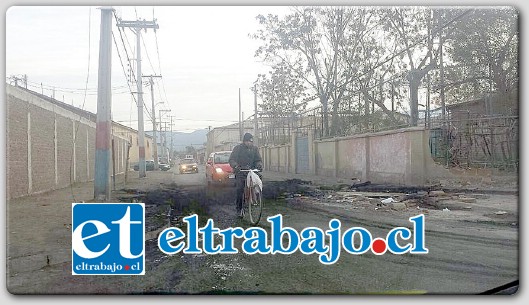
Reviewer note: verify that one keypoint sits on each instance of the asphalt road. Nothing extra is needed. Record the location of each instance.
(466, 255)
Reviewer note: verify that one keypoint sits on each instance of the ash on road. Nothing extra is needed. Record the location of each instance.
(473, 243)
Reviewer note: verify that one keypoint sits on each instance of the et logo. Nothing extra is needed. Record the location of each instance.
(108, 238)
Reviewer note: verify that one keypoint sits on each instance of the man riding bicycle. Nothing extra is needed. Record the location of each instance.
(244, 156)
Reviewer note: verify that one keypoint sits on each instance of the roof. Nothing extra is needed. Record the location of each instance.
(220, 152)
(464, 104)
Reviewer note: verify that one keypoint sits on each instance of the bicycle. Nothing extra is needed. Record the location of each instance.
(252, 196)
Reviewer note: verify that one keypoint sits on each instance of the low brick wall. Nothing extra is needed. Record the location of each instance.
(49, 147)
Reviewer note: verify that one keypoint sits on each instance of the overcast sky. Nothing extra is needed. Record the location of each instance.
(203, 53)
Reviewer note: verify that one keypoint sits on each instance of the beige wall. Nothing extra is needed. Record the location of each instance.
(325, 158)
(351, 152)
(389, 157)
(396, 157)
(132, 136)
(276, 158)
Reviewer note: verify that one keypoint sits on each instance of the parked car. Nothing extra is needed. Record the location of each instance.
(218, 169)
(164, 167)
(188, 166)
(149, 165)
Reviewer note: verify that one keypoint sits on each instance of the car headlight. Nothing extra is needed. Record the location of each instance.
(183, 166)
(218, 170)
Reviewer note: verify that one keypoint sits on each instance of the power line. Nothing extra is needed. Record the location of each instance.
(125, 48)
(152, 67)
(145, 109)
(193, 120)
(82, 107)
(148, 57)
(69, 90)
(137, 27)
(160, 63)
(124, 72)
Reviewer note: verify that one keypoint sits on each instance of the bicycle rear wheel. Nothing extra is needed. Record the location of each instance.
(255, 206)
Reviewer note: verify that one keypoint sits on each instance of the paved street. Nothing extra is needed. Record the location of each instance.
(467, 254)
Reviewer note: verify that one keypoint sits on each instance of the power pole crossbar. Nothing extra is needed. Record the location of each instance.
(136, 27)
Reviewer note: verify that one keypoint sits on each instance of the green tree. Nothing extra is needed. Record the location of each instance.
(281, 91)
(483, 49)
(309, 43)
(411, 27)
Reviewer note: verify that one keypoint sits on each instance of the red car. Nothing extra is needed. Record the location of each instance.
(218, 169)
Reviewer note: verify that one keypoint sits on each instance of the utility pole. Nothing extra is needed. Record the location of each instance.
(104, 107)
(255, 136)
(165, 139)
(163, 143)
(136, 27)
(442, 71)
(171, 150)
(240, 116)
(155, 148)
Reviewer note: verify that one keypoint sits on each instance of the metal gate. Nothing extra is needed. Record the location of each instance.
(477, 142)
(302, 155)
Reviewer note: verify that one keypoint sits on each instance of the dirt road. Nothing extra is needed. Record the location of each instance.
(471, 249)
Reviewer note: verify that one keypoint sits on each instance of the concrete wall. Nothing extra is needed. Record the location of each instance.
(48, 147)
(326, 158)
(352, 156)
(389, 157)
(276, 158)
(396, 157)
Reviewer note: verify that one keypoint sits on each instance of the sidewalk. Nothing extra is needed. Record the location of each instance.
(39, 226)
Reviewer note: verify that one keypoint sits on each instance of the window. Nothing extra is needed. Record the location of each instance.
(222, 158)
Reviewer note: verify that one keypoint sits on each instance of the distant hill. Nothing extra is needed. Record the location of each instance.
(196, 139)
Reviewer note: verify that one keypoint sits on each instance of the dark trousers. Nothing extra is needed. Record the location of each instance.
(240, 183)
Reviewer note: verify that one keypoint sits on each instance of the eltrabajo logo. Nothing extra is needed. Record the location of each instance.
(108, 238)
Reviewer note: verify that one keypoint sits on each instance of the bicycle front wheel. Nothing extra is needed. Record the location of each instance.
(255, 206)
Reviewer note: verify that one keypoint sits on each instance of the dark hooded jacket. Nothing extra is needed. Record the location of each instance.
(244, 157)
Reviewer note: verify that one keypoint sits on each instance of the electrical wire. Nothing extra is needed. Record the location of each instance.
(123, 67)
(160, 66)
(82, 107)
(148, 57)
(70, 90)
